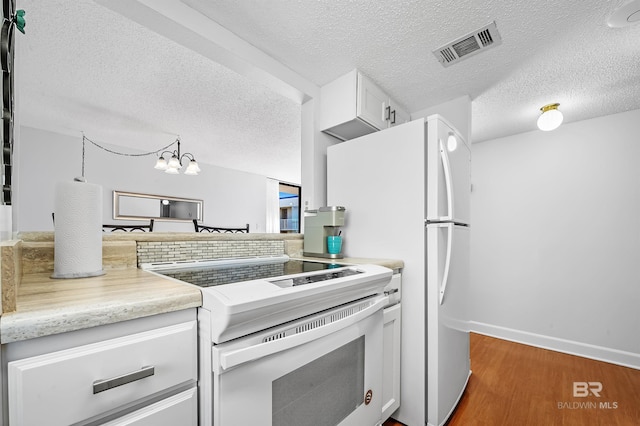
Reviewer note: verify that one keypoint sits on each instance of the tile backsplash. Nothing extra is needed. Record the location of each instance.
(173, 251)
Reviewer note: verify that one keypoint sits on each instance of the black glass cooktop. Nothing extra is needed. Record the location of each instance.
(208, 276)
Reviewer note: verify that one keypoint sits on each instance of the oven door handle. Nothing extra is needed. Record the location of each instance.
(237, 357)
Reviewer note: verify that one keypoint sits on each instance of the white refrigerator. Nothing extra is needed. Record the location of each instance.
(406, 191)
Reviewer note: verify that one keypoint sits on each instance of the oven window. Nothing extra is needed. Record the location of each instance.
(323, 392)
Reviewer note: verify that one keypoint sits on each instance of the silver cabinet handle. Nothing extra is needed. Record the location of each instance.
(106, 384)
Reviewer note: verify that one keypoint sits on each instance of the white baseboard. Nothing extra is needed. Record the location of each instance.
(599, 353)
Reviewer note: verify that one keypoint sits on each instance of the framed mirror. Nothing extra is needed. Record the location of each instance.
(132, 206)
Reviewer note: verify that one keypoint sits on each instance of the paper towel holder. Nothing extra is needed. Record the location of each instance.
(78, 230)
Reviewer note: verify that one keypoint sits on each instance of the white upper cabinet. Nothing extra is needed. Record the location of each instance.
(353, 106)
(372, 103)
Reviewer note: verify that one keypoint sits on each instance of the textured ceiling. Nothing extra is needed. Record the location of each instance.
(551, 52)
(84, 68)
(87, 68)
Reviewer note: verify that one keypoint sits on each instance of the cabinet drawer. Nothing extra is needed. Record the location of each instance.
(68, 386)
(180, 409)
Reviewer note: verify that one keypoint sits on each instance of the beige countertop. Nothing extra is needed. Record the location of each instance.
(48, 306)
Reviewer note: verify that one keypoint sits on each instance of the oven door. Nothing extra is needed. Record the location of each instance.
(325, 369)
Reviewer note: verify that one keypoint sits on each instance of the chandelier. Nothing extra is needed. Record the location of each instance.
(174, 165)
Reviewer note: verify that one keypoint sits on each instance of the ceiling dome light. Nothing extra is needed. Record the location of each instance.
(551, 118)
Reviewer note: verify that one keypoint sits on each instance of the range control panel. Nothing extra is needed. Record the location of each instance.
(309, 279)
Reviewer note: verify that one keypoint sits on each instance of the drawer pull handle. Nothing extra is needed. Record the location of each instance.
(103, 385)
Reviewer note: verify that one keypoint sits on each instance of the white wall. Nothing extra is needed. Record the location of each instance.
(556, 238)
(457, 111)
(231, 198)
(314, 158)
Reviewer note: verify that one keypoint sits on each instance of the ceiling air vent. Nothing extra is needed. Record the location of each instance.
(468, 45)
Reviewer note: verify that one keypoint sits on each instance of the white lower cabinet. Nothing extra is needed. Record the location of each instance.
(391, 361)
(144, 378)
(180, 409)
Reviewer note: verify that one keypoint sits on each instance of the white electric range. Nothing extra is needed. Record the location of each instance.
(287, 341)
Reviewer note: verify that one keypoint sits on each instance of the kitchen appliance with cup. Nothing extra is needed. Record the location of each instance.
(319, 225)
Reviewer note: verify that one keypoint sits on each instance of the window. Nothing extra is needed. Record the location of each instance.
(289, 208)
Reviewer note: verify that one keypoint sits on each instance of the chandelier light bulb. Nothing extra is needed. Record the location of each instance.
(161, 164)
(174, 162)
(192, 168)
(550, 118)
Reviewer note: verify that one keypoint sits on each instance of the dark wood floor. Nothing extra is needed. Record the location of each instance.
(514, 384)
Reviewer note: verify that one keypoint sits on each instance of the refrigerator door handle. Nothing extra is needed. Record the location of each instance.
(447, 260)
(447, 181)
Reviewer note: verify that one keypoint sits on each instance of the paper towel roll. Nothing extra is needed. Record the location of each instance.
(78, 230)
